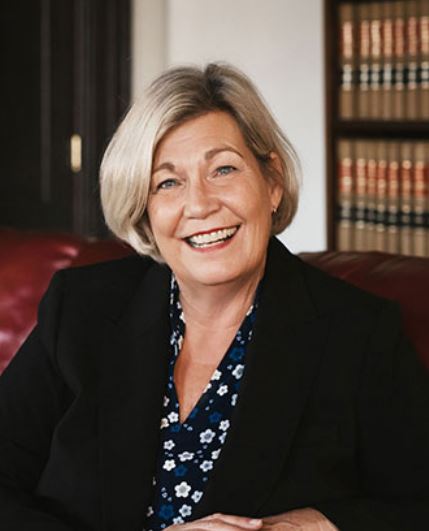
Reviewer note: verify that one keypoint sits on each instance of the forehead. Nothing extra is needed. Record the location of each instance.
(208, 131)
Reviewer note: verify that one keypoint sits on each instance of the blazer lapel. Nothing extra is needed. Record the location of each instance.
(133, 382)
(281, 364)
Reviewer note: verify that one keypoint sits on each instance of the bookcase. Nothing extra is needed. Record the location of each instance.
(377, 125)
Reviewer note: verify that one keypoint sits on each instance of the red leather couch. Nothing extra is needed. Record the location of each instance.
(29, 259)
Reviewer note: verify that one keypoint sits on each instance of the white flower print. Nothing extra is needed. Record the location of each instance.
(216, 375)
(169, 464)
(238, 371)
(207, 436)
(196, 496)
(222, 390)
(206, 465)
(149, 511)
(207, 387)
(173, 416)
(215, 453)
(185, 510)
(182, 490)
(186, 456)
(166, 401)
(222, 437)
(169, 445)
(178, 520)
(224, 425)
(234, 399)
(164, 422)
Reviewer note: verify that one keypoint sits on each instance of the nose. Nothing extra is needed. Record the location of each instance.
(200, 201)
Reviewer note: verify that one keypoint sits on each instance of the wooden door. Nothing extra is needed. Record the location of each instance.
(65, 74)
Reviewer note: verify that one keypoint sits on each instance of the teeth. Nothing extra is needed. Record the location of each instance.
(203, 240)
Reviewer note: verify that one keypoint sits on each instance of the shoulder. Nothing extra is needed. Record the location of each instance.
(327, 292)
(104, 287)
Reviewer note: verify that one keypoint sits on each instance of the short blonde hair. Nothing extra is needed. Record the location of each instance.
(177, 95)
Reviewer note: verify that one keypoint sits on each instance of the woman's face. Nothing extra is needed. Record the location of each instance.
(209, 205)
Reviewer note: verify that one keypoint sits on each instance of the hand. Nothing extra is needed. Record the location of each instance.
(307, 519)
(219, 522)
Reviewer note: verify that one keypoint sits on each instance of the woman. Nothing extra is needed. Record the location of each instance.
(219, 382)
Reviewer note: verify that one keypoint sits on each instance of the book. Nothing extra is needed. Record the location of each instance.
(392, 202)
(371, 195)
(361, 168)
(420, 199)
(387, 59)
(345, 222)
(363, 99)
(405, 198)
(380, 243)
(398, 100)
(375, 26)
(411, 92)
(347, 59)
(424, 59)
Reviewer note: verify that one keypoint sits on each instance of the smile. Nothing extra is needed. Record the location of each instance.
(208, 239)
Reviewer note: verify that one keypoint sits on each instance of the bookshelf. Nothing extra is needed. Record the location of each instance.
(377, 125)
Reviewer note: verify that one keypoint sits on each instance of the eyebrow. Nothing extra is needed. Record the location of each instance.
(207, 156)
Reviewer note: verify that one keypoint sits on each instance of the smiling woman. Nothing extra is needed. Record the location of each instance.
(176, 97)
(213, 381)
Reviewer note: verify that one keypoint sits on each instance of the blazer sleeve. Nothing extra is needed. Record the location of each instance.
(33, 397)
(393, 425)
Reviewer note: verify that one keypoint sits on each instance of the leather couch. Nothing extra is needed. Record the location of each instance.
(29, 259)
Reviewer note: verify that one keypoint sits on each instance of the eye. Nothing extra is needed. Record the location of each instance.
(166, 184)
(225, 170)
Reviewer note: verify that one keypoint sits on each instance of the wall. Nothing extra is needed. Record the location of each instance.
(279, 44)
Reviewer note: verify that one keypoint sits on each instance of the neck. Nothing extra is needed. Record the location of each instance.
(220, 306)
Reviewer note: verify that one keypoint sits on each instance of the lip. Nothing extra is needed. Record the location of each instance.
(214, 246)
(215, 229)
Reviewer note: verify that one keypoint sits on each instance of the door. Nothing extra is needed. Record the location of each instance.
(65, 85)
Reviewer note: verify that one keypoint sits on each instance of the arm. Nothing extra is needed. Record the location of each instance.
(393, 423)
(32, 400)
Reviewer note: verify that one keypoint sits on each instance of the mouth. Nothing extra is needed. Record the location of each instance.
(203, 240)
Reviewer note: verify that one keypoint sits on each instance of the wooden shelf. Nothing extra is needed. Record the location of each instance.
(381, 128)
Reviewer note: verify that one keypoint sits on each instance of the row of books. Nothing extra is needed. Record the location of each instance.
(383, 196)
(384, 60)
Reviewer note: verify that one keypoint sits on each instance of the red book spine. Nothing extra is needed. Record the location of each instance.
(392, 239)
(421, 233)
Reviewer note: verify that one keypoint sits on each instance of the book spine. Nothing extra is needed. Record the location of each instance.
(387, 59)
(399, 60)
(347, 60)
(381, 199)
(406, 204)
(392, 236)
(424, 59)
(361, 168)
(345, 196)
(375, 60)
(421, 236)
(363, 107)
(411, 107)
(371, 188)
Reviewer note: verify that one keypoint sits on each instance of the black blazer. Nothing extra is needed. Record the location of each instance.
(332, 412)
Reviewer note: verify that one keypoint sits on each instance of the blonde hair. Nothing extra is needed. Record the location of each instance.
(177, 95)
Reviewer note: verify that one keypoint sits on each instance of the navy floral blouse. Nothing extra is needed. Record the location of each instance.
(189, 450)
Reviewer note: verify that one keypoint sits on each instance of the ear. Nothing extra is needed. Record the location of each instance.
(275, 180)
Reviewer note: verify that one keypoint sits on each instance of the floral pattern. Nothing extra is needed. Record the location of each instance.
(189, 450)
